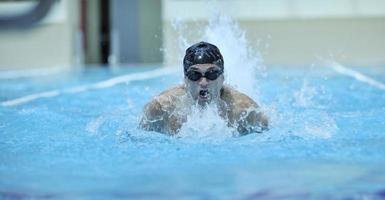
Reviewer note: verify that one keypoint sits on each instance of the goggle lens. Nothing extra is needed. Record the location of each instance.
(211, 75)
(194, 75)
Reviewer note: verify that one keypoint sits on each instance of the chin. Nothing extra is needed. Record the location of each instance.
(204, 102)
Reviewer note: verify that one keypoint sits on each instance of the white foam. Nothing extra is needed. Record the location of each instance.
(304, 97)
(93, 126)
(99, 85)
(205, 124)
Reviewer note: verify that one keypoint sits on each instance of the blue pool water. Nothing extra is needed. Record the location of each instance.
(326, 140)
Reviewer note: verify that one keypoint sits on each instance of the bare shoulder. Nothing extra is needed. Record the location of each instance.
(164, 100)
(237, 99)
(171, 94)
(157, 114)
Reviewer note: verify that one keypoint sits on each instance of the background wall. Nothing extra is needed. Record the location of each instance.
(49, 43)
(293, 32)
(136, 31)
(285, 32)
(84, 32)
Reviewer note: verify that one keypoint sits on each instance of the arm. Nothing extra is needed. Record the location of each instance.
(252, 120)
(244, 113)
(153, 117)
(159, 119)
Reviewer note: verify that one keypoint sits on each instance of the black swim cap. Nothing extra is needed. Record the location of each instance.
(202, 53)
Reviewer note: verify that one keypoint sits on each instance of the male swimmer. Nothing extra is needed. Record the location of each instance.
(203, 86)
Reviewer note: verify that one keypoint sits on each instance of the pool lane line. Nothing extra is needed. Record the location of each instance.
(26, 73)
(356, 75)
(95, 86)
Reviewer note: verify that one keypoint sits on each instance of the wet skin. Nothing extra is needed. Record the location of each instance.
(167, 112)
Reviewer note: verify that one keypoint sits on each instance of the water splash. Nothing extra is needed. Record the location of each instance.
(306, 124)
(242, 67)
(206, 124)
(318, 125)
(181, 29)
(299, 114)
(303, 113)
(304, 97)
(93, 126)
(242, 64)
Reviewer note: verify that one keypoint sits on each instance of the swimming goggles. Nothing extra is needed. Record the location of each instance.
(210, 74)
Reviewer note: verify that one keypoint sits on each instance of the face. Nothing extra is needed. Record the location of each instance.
(204, 82)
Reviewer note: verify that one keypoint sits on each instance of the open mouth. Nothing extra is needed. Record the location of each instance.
(204, 94)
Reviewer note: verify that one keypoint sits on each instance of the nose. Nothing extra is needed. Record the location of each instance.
(203, 82)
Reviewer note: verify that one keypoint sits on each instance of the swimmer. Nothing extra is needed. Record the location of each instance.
(203, 86)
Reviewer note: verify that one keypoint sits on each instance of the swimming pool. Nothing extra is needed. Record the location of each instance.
(74, 136)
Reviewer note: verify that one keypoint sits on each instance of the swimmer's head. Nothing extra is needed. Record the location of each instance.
(202, 53)
(203, 70)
